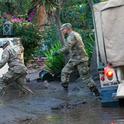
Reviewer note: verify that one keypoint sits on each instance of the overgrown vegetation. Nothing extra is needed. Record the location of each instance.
(76, 12)
(30, 36)
(49, 37)
(15, 7)
(54, 64)
(16, 11)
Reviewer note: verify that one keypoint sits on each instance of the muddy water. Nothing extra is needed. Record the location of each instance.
(54, 106)
(84, 114)
(89, 112)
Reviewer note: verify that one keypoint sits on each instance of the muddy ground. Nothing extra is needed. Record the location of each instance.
(51, 105)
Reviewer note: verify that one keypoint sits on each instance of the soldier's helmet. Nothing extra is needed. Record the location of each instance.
(3, 43)
(66, 25)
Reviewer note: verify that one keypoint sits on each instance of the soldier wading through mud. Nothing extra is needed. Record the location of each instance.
(78, 59)
(17, 71)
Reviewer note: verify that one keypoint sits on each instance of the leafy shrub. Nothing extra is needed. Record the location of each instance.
(30, 36)
(49, 38)
(54, 64)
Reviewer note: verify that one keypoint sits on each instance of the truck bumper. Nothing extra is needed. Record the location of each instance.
(108, 98)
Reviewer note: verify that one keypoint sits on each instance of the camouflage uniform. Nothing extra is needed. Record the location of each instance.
(18, 47)
(17, 71)
(78, 60)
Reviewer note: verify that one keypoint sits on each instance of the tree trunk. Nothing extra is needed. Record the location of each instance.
(42, 17)
(58, 23)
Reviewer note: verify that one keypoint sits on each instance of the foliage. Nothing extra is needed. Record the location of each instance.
(30, 35)
(1, 27)
(78, 13)
(54, 64)
(6, 7)
(49, 4)
(12, 1)
(49, 38)
(23, 6)
(15, 7)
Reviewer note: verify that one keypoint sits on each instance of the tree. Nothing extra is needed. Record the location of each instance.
(15, 6)
(53, 9)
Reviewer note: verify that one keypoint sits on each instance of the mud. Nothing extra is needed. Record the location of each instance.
(52, 105)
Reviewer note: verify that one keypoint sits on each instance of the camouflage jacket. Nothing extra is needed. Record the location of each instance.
(9, 56)
(75, 46)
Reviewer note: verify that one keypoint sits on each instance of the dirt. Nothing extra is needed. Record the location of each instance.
(52, 105)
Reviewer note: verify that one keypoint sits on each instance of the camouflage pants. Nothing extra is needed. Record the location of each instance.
(83, 70)
(10, 77)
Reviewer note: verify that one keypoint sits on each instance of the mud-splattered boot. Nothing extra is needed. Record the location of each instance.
(65, 86)
(2, 91)
(95, 91)
(24, 90)
(27, 89)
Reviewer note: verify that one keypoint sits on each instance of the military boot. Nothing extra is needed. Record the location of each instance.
(65, 86)
(27, 89)
(95, 90)
(24, 90)
(2, 91)
(3, 88)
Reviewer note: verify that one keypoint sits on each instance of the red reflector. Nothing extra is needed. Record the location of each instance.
(102, 78)
(109, 74)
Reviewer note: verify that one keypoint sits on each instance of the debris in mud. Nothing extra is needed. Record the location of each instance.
(25, 121)
(79, 103)
(68, 105)
(46, 84)
(59, 107)
(45, 76)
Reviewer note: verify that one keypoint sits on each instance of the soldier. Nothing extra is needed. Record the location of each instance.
(17, 71)
(78, 58)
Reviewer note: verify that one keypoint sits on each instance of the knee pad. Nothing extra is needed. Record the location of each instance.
(65, 77)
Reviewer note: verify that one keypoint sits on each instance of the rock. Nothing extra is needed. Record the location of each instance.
(26, 120)
(46, 84)
(68, 105)
(59, 107)
(79, 103)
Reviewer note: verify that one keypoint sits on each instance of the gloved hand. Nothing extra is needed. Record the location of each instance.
(55, 54)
